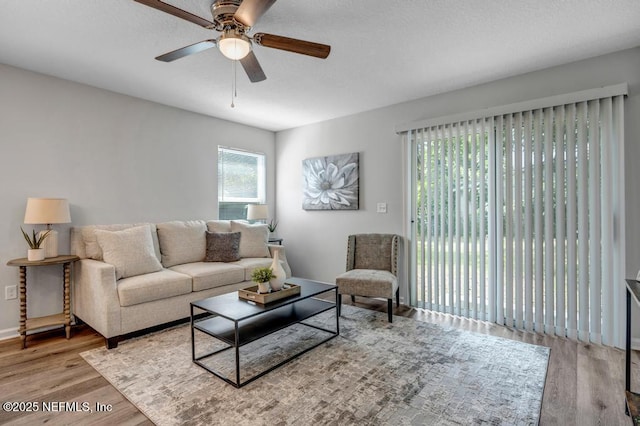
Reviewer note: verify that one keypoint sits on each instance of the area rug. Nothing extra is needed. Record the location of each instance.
(405, 373)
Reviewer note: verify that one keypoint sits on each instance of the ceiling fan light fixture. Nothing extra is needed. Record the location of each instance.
(234, 46)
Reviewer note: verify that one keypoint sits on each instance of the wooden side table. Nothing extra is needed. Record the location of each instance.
(63, 318)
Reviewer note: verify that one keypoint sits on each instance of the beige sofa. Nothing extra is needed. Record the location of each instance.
(138, 276)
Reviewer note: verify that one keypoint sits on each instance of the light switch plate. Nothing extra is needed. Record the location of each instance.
(382, 208)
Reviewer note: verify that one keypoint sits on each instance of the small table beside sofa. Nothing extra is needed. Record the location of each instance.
(35, 323)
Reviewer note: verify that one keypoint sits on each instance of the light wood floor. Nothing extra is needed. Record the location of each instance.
(585, 383)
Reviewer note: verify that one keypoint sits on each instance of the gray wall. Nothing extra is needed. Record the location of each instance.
(117, 159)
(319, 238)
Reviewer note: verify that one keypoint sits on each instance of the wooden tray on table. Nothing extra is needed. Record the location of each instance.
(251, 294)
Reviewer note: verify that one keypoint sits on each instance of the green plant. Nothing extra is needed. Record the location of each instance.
(35, 242)
(262, 275)
(272, 225)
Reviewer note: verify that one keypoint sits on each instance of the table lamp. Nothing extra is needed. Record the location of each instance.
(257, 212)
(48, 211)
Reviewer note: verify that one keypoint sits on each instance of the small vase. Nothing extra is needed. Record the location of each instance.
(35, 254)
(278, 271)
(264, 287)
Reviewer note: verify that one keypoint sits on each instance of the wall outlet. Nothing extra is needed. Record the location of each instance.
(382, 208)
(10, 292)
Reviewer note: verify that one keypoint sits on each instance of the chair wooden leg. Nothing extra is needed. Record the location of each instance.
(353, 299)
(398, 297)
(339, 304)
(390, 309)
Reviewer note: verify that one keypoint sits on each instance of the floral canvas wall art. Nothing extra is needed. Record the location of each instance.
(331, 182)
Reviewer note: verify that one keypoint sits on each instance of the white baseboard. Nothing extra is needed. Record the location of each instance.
(9, 333)
(635, 343)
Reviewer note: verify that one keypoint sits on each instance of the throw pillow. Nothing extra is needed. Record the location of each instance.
(130, 251)
(223, 247)
(219, 225)
(253, 239)
(182, 242)
(92, 248)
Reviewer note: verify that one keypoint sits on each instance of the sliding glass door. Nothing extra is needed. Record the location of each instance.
(516, 218)
(452, 199)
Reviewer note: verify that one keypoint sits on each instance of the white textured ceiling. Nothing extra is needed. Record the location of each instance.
(383, 51)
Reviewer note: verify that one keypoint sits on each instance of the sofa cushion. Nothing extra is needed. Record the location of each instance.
(130, 251)
(207, 275)
(254, 239)
(223, 247)
(251, 263)
(182, 242)
(154, 286)
(92, 248)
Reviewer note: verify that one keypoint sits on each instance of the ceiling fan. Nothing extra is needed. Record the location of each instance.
(234, 19)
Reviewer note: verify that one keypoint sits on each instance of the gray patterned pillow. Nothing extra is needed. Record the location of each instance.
(223, 247)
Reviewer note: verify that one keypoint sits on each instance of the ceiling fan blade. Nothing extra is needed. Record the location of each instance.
(187, 50)
(172, 10)
(292, 45)
(250, 11)
(252, 68)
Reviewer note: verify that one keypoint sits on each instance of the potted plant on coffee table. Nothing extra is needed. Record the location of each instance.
(262, 276)
(35, 252)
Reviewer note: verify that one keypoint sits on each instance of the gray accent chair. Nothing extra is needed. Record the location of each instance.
(372, 269)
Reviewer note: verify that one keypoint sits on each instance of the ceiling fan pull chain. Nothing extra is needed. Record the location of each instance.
(235, 79)
(233, 83)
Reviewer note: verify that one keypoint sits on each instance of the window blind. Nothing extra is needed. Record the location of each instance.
(519, 218)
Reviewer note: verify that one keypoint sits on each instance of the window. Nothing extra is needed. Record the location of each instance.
(241, 181)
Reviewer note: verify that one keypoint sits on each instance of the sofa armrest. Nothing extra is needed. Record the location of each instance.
(95, 296)
(282, 256)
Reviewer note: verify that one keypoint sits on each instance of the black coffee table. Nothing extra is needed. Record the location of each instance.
(237, 322)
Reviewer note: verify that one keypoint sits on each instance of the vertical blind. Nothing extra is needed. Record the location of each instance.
(518, 217)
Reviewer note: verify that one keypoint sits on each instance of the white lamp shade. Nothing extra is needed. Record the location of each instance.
(47, 211)
(257, 212)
